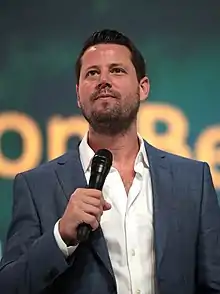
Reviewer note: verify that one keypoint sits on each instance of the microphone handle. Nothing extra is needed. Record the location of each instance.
(83, 232)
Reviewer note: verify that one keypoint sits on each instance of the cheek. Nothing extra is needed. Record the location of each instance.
(125, 84)
(128, 89)
(85, 90)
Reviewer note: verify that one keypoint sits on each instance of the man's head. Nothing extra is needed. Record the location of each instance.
(111, 82)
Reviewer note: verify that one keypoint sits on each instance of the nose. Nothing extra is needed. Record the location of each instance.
(104, 80)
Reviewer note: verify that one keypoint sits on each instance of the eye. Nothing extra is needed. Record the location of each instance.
(92, 72)
(117, 70)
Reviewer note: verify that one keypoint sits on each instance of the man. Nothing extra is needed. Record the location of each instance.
(159, 218)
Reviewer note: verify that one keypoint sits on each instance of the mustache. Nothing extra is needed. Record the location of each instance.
(105, 92)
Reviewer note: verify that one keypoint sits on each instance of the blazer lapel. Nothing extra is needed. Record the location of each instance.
(71, 176)
(99, 246)
(162, 188)
(70, 173)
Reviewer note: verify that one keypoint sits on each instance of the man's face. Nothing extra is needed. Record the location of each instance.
(108, 92)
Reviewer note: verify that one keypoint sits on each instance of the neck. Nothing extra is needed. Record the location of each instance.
(124, 147)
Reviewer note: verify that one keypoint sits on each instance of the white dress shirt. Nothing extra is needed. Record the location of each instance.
(127, 226)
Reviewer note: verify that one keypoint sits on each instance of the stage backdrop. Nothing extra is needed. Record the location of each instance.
(40, 40)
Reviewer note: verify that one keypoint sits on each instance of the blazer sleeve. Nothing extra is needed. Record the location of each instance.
(209, 238)
(31, 260)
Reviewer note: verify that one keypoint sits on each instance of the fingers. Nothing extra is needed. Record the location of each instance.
(106, 205)
(84, 206)
(91, 209)
(90, 220)
(93, 201)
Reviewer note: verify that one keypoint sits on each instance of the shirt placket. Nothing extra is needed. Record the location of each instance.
(133, 256)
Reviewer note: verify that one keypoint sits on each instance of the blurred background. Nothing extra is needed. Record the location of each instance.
(40, 41)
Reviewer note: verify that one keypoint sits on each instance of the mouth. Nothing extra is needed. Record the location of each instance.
(105, 96)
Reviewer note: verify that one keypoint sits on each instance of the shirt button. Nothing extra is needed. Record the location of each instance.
(133, 252)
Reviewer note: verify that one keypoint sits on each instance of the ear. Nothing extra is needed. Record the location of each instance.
(144, 88)
(77, 95)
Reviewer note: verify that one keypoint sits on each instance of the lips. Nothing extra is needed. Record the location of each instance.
(104, 96)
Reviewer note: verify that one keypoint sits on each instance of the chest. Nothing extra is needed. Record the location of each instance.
(124, 189)
(127, 178)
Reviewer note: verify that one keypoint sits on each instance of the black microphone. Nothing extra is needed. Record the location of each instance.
(100, 166)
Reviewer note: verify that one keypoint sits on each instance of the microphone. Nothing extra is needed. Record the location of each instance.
(100, 166)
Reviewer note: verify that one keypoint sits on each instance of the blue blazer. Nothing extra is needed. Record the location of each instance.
(186, 231)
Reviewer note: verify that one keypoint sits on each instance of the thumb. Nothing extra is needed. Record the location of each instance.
(106, 205)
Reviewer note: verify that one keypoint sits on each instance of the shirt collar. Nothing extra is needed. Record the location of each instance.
(142, 154)
(86, 154)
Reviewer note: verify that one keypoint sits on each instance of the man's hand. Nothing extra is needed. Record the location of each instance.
(85, 206)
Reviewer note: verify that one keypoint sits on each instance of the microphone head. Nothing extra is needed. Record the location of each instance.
(101, 164)
(105, 155)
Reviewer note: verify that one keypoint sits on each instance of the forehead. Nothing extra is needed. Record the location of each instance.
(106, 54)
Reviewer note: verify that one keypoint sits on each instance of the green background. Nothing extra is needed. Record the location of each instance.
(40, 41)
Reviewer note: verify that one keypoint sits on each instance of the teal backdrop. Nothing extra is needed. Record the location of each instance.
(40, 41)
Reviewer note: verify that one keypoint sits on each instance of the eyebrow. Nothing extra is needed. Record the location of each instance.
(110, 65)
(91, 66)
(117, 64)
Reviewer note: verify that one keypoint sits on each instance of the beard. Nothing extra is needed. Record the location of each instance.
(113, 118)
